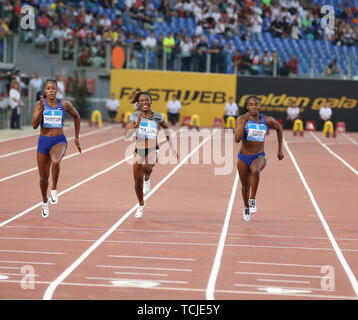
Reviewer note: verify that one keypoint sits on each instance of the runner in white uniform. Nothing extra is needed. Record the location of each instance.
(146, 124)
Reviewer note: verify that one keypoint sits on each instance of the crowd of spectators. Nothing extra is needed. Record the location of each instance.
(246, 19)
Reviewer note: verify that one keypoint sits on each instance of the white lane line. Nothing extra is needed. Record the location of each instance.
(261, 287)
(350, 139)
(68, 139)
(16, 274)
(278, 274)
(334, 154)
(52, 287)
(13, 268)
(83, 124)
(143, 273)
(65, 157)
(144, 268)
(149, 280)
(36, 252)
(177, 232)
(286, 247)
(282, 280)
(67, 190)
(26, 262)
(173, 243)
(282, 264)
(345, 265)
(219, 252)
(151, 258)
(300, 141)
(46, 239)
(198, 290)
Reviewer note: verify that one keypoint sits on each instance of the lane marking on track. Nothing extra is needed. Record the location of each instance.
(52, 287)
(26, 262)
(31, 252)
(78, 184)
(67, 190)
(66, 157)
(282, 264)
(350, 139)
(282, 280)
(142, 273)
(278, 274)
(174, 243)
(20, 137)
(144, 268)
(150, 280)
(177, 232)
(83, 124)
(219, 252)
(68, 139)
(187, 289)
(352, 279)
(69, 156)
(151, 258)
(260, 287)
(334, 154)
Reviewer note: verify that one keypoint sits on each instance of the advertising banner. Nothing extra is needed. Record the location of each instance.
(202, 94)
(277, 94)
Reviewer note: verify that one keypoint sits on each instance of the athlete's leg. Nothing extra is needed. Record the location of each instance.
(150, 162)
(43, 164)
(244, 174)
(138, 174)
(255, 168)
(56, 154)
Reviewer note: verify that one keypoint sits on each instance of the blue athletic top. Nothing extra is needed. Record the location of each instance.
(53, 117)
(255, 131)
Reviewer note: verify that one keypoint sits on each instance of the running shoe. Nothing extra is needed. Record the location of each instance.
(252, 205)
(146, 186)
(45, 211)
(53, 198)
(246, 214)
(139, 212)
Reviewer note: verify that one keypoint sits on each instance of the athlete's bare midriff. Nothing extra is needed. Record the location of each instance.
(50, 132)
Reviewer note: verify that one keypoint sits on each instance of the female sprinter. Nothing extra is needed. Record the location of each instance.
(49, 112)
(251, 128)
(145, 123)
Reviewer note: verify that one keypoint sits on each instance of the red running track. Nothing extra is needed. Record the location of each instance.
(192, 242)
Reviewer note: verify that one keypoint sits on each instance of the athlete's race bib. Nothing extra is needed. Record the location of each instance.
(148, 129)
(256, 132)
(52, 119)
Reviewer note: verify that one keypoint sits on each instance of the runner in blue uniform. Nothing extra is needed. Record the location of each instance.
(49, 113)
(251, 129)
(145, 123)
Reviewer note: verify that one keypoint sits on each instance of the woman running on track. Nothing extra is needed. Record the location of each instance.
(145, 123)
(251, 128)
(49, 112)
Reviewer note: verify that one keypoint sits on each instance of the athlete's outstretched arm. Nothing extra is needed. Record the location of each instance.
(164, 125)
(77, 121)
(272, 123)
(240, 126)
(37, 114)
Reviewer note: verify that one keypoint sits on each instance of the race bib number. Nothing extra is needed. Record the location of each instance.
(148, 130)
(256, 132)
(52, 118)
